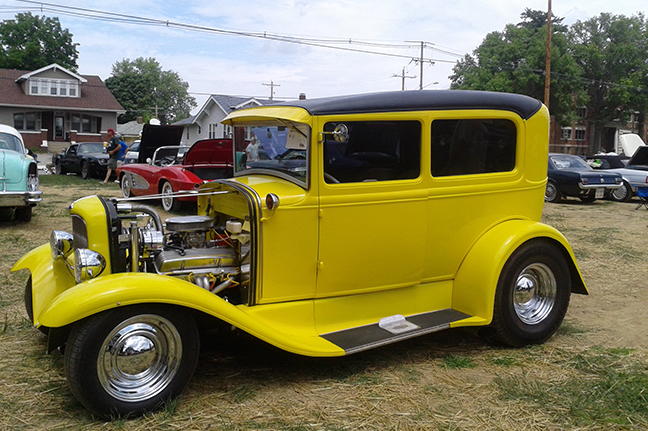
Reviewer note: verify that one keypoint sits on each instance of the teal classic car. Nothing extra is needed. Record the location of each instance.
(18, 175)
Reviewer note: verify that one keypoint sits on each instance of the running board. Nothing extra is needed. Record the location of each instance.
(392, 329)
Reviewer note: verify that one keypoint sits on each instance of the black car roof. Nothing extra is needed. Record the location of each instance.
(524, 106)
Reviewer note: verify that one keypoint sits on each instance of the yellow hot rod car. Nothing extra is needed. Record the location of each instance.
(350, 223)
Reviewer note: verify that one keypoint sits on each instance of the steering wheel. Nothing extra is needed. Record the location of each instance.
(166, 161)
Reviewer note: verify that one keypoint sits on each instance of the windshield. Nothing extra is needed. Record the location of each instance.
(10, 142)
(93, 147)
(275, 148)
(569, 162)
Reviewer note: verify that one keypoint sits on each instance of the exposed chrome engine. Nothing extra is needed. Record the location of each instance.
(193, 248)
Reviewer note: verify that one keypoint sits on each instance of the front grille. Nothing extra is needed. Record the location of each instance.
(79, 232)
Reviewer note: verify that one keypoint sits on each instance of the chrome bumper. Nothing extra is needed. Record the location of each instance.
(20, 199)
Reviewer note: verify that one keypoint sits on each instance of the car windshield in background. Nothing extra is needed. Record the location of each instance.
(277, 148)
(91, 148)
(569, 162)
(10, 142)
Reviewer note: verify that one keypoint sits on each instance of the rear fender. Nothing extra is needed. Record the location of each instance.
(478, 275)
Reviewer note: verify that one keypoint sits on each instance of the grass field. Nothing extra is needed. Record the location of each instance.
(593, 375)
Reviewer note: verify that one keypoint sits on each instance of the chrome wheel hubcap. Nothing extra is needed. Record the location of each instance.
(167, 190)
(551, 192)
(535, 293)
(125, 187)
(139, 358)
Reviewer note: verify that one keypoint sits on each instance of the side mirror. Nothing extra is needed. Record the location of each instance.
(148, 160)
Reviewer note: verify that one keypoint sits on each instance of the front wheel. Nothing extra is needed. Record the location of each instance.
(532, 294)
(126, 187)
(130, 360)
(85, 170)
(169, 203)
(58, 169)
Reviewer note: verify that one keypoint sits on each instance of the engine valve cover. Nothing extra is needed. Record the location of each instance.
(196, 260)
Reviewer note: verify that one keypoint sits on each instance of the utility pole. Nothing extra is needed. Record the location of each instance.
(548, 59)
(421, 60)
(403, 76)
(272, 85)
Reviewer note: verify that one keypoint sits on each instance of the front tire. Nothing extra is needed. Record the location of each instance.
(85, 170)
(23, 214)
(552, 194)
(125, 187)
(532, 294)
(58, 169)
(169, 203)
(130, 360)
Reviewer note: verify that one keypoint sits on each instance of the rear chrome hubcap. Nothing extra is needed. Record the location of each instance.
(535, 293)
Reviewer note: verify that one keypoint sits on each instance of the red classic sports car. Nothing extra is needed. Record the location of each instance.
(205, 161)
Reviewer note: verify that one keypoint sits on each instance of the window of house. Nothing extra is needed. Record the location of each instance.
(582, 112)
(566, 133)
(34, 87)
(75, 122)
(228, 132)
(579, 134)
(212, 131)
(26, 121)
(53, 87)
(19, 121)
(465, 147)
(199, 130)
(372, 151)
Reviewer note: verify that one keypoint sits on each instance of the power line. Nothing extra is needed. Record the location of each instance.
(320, 43)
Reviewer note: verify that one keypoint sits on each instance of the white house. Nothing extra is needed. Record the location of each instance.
(206, 124)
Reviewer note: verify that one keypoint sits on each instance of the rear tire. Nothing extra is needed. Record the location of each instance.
(532, 294)
(623, 193)
(58, 169)
(552, 194)
(170, 203)
(130, 360)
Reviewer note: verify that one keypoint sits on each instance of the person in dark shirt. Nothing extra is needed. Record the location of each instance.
(113, 151)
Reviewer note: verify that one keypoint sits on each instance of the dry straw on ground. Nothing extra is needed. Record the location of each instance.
(452, 380)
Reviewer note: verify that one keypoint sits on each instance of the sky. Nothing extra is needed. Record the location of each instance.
(230, 63)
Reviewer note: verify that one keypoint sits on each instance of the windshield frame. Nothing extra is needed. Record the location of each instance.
(283, 174)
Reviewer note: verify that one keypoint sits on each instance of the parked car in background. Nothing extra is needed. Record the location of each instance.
(133, 152)
(301, 252)
(205, 160)
(632, 178)
(18, 175)
(569, 175)
(88, 159)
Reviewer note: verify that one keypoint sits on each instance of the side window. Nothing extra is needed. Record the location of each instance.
(465, 147)
(371, 151)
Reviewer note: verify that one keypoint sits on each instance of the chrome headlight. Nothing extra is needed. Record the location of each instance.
(61, 244)
(102, 161)
(88, 264)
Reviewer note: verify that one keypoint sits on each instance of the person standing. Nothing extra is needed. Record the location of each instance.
(113, 152)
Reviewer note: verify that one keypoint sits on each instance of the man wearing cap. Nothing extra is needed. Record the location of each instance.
(113, 151)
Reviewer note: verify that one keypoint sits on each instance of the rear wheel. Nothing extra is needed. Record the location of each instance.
(85, 170)
(552, 194)
(130, 360)
(623, 193)
(169, 203)
(532, 294)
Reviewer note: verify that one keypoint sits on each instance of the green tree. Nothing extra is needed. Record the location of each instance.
(142, 88)
(30, 42)
(514, 61)
(611, 50)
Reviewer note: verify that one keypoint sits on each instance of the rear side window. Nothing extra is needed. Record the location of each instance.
(365, 151)
(473, 146)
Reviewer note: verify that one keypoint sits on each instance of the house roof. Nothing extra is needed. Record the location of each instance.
(95, 96)
(227, 104)
(132, 128)
(53, 67)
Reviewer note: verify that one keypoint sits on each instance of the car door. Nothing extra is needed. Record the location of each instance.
(372, 207)
(70, 160)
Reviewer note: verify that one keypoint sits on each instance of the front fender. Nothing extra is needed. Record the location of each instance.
(478, 275)
(119, 290)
